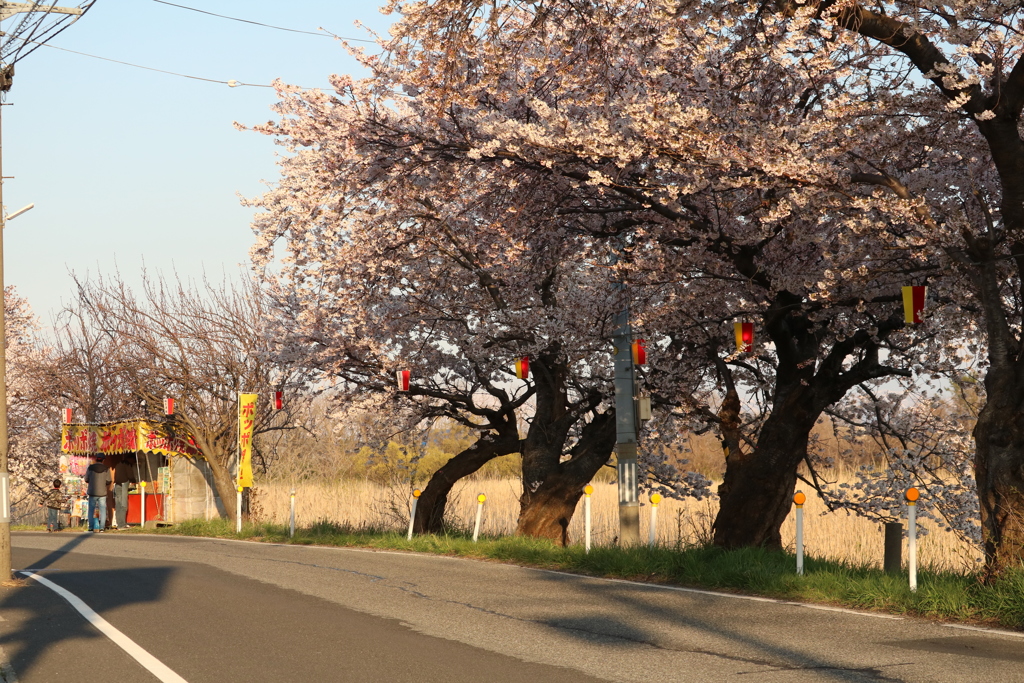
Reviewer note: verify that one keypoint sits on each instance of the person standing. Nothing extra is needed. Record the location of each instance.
(54, 503)
(123, 476)
(99, 481)
(77, 513)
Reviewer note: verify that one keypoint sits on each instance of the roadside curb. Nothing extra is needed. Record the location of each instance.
(640, 584)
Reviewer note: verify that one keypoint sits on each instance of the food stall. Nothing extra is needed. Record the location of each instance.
(178, 481)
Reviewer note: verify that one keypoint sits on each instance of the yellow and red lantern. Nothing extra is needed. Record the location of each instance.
(913, 303)
(639, 348)
(523, 368)
(402, 376)
(744, 336)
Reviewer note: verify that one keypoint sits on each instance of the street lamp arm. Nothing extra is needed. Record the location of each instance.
(17, 213)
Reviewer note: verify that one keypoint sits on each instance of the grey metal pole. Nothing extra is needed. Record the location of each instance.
(625, 431)
(5, 513)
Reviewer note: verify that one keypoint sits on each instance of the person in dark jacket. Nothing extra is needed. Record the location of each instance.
(124, 475)
(100, 482)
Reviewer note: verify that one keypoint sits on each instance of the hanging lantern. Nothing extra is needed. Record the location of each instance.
(913, 303)
(168, 406)
(403, 380)
(639, 348)
(67, 415)
(278, 400)
(744, 336)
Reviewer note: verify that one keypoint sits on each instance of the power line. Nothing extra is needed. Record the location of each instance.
(256, 23)
(232, 83)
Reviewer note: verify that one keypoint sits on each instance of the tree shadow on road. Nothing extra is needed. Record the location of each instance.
(699, 623)
(46, 621)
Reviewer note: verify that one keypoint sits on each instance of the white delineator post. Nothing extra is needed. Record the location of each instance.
(238, 510)
(799, 498)
(291, 519)
(912, 495)
(479, 513)
(587, 490)
(412, 513)
(142, 506)
(652, 534)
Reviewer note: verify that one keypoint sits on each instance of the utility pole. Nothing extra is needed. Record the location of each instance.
(625, 429)
(9, 54)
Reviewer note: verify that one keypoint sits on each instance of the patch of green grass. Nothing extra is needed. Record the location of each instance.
(940, 595)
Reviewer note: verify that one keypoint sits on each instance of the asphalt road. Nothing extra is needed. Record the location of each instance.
(228, 611)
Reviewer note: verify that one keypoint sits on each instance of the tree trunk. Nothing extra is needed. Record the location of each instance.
(224, 483)
(433, 500)
(757, 492)
(547, 511)
(999, 470)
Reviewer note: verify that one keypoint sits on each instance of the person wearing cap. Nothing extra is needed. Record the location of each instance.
(100, 482)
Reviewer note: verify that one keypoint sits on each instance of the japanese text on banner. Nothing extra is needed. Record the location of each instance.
(246, 422)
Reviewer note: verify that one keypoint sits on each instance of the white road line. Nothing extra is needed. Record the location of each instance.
(151, 663)
(994, 631)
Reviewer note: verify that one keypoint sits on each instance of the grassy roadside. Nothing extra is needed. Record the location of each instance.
(943, 596)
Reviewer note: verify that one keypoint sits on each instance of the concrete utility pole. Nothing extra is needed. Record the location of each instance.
(8, 10)
(625, 430)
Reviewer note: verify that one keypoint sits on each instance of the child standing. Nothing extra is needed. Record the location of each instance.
(54, 503)
(76, 513)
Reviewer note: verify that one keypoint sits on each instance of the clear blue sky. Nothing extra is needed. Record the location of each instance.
(129, 167)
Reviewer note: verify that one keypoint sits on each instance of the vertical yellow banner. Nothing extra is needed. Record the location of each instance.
(246, 421)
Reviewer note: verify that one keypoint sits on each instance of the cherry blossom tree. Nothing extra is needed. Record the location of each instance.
(369, 289)
(733, 182)
(33, 459)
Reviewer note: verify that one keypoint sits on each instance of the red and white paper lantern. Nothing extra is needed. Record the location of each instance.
(744, 336)
(168, 406)
(67, 415)
(913, 303)
(639, 348)
(402, 376)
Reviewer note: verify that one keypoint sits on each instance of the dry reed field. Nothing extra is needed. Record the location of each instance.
(838, 536)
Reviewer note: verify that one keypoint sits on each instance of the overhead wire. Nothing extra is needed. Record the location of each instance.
(256, 23)
(231, 83)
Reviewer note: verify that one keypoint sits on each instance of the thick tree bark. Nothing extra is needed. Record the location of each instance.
(224, 483)
(999, 432)
(999, 470)
(757, 491)
(433, 500)
(547, 511)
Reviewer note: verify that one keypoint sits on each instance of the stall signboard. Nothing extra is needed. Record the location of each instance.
(124, 437)
(246, 423)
